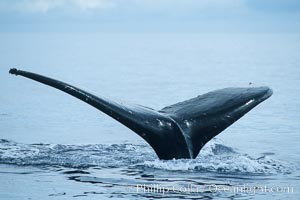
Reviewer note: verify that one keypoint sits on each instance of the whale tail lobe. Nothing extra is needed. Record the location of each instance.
(177, 131)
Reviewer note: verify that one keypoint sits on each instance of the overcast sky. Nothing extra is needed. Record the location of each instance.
(151, 15)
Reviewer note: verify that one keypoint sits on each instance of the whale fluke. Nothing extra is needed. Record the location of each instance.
(176, 131)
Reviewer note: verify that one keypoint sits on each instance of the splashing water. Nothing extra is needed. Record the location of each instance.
(214, 157)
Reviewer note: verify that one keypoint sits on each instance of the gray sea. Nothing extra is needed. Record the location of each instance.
(53, 146)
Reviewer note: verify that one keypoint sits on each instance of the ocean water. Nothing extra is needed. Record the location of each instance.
(54, 146)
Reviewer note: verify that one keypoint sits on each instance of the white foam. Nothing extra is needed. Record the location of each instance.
(214, 157)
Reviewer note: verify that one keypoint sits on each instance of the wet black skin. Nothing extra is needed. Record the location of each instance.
(176, 131)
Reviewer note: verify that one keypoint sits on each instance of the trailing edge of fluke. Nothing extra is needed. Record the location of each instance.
(177, 131)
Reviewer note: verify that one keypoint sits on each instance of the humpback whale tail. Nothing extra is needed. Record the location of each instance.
(176, 131)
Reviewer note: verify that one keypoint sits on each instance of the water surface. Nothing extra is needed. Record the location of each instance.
(55, 146)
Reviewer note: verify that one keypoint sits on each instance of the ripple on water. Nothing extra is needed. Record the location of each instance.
(214, 157)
